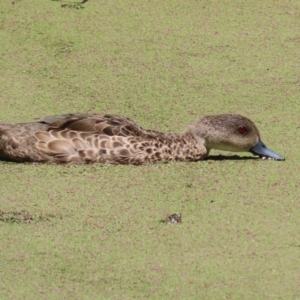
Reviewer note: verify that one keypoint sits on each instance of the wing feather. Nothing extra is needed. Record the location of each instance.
(110, 125)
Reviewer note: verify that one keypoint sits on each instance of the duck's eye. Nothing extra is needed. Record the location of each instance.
(242, 130)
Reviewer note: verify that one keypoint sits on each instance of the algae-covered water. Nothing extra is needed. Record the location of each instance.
(94, 232)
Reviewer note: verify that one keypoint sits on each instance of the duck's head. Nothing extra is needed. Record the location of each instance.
(231, 132)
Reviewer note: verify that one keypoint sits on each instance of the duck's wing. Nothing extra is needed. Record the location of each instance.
(110, 125)
(92, 138)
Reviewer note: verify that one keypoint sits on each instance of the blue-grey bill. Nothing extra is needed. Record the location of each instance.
(265, 153)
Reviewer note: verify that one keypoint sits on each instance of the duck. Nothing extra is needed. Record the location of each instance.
(111, 139)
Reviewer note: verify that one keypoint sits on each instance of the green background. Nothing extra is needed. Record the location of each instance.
(94, 232)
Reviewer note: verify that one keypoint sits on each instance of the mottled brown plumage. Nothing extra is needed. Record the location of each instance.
(108, 139)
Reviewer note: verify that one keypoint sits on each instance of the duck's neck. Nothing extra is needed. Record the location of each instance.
(173, 147)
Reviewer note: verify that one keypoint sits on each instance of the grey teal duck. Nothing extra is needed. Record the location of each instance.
(110, 139)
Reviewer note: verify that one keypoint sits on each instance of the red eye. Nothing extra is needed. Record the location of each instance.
(242, 130)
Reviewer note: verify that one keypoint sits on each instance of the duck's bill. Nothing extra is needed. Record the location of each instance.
(264, 153)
